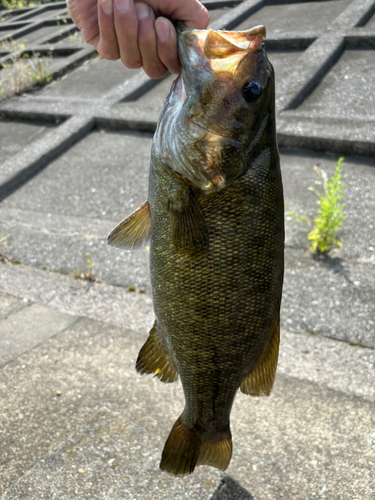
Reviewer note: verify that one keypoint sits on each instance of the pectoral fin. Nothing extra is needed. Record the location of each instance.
(154, 359)
(261, 379)
(189, 229)
(134, 231)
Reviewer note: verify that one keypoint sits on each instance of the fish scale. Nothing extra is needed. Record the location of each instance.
(216, 240)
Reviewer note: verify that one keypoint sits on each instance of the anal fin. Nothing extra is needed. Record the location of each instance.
(134, 231)
(153, 359)
(261, 379)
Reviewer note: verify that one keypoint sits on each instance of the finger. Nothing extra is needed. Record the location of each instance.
(126, 27)
(107, 45)
(194, 15)
(191, 12)
(147, 42)
(167, 45)
(84, 14)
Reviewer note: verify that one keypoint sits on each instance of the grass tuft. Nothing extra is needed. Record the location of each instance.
(331, 212)
(23, 70)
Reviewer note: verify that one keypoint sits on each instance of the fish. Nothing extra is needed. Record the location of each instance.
(215, 220)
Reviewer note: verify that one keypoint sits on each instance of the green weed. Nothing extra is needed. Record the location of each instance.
(23, 70)
(88, 274)
(17, 4)
(331, 212)
(3, 258)
(21, 4)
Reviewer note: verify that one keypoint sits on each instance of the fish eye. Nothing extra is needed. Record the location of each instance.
(251, 91)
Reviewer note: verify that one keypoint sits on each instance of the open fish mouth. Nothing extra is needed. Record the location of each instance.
(222, 50)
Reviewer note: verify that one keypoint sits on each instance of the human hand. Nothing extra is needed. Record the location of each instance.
(140, 33)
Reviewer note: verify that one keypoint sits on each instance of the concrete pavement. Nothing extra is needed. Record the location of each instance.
(76, 419)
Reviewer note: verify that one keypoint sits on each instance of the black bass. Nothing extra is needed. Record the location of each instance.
(215, 218)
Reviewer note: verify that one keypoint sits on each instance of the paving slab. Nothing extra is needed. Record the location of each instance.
(110, 458)
(61, 230)
(90, 80)
(304, 439)
(15, 135)
(313, 17)
(10, 304)
(29, 327)
(61, 195)
(351, 80)
(335, 364)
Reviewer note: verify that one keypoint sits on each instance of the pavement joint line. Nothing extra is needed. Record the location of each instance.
(44, 151)
(305, 79)
(366, 17)
(41, 340)
(231, 19)
(300, 352)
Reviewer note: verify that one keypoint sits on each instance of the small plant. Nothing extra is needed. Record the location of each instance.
(87, 275)
(331, 212)
(17, 4)
(4, 258)
(22, 71)
(21, 4)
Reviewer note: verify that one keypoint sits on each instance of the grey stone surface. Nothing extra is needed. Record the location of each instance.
(19, 168)
(301, 17)
(333, 364)
(99, 301)
(92, 79)
(303, 442)
(16, 135)
(10, 304)
(95, 179)
(352, 80)
(60, 230)
(229, 489)
(28, 328)
(304, 439)
(62, 193)
(109, 458)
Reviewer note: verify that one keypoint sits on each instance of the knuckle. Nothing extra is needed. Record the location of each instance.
(157, 73)
(108, 53)
(131, 64)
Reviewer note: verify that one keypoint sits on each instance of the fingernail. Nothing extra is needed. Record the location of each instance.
(162, 29)
(107, 7)
(143, 10)
(122, 5)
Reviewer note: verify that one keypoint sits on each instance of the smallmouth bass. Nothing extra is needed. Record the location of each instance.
(215, 219)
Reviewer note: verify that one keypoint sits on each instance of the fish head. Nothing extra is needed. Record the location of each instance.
(219, 103)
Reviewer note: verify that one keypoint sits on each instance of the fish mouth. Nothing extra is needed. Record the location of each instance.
(221, 50)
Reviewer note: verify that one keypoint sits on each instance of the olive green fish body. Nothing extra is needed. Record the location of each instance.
(216, 309)
(214, 217)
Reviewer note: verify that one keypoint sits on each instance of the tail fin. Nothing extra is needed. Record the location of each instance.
(185, 449)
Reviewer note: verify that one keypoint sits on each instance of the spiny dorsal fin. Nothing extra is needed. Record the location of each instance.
(261, 379)
(153, 359)
(134, 231)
